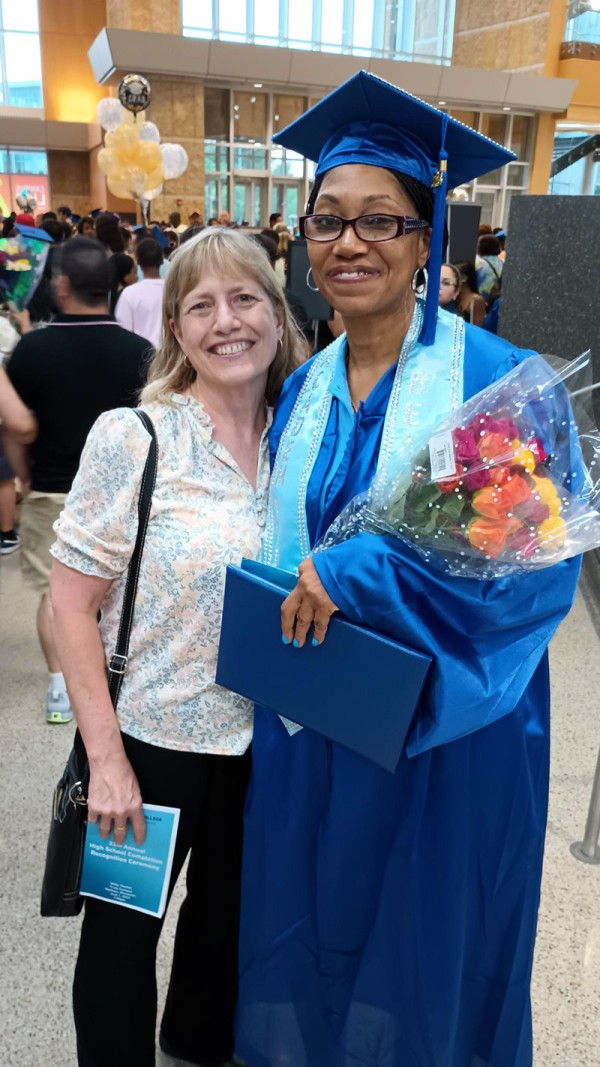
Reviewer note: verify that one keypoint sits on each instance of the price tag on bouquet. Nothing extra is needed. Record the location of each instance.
(441, 456)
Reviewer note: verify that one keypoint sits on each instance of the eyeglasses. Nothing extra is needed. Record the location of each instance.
(446, 281)
(366, 227)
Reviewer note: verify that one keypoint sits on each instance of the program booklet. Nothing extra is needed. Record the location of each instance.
(134, 876)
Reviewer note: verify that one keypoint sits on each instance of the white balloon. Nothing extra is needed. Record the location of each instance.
(149, 132)
(174, 160)
(110, 113)
(151, 194)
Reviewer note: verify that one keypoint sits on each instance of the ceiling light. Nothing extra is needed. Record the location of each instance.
(258, 85)
(442, 103)
(252, 99)
(506, 109)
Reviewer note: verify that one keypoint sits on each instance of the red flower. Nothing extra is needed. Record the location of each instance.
(448, 485)
(483, 424)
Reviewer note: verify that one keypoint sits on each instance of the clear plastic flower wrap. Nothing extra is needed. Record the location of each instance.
(508, 482)
(22, 261)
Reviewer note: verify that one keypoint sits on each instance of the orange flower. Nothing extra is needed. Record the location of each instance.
(489, 535)
(494, 446)
(496, 502)
(500, 475)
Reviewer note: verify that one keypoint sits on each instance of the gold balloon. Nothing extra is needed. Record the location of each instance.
(124, 136)
(108, 161)
(119, 188)
(149, 155)
(154, 178)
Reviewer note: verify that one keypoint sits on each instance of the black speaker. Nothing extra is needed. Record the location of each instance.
(462, 221)
(314, 305)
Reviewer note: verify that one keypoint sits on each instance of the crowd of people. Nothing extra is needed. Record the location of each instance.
(377, 918)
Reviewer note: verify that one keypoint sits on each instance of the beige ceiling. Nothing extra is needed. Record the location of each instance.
(115, 52)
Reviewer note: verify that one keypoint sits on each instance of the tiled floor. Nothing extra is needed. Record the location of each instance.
(36, 955)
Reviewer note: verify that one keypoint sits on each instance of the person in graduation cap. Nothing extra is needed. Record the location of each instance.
(389, 919)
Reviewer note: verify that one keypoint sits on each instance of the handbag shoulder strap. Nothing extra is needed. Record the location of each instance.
(118, 660)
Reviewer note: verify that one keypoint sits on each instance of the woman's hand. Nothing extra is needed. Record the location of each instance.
(114, 797)
(307, 605)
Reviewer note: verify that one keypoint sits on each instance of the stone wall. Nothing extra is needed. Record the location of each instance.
(505, 35)
(177, 108)
(69, 174)
(154, 16)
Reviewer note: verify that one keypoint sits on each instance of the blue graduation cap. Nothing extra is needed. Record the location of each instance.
(368, 120)
(33, 231)
(97, 211)
(159, 237)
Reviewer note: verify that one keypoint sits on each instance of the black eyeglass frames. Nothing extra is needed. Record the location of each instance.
(375, 227)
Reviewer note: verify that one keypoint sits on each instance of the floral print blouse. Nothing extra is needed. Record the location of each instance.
(205, 514)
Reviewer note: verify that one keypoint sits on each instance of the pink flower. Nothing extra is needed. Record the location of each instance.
(523, 541)
(477, 479)
(532, 511)
(483, 424)
(465, 447)
(535, 445)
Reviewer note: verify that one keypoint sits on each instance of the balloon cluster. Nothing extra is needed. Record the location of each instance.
(134, 161)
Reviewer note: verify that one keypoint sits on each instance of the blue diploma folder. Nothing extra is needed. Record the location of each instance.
(358, 688)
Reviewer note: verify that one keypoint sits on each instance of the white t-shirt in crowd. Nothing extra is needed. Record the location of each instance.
(140, 309)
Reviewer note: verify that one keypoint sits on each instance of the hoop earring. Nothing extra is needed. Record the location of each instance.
(313, 288)
(419, 282)
(186, 360)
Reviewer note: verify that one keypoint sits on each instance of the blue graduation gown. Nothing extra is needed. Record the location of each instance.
(389, 920)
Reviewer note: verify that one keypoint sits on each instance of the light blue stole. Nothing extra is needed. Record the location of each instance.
(428, 384)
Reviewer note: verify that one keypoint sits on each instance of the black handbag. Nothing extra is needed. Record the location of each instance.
(64, 853)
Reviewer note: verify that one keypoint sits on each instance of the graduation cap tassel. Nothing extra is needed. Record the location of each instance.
(434, 263)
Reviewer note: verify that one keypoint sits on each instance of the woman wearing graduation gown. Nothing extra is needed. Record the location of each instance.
(389, 919)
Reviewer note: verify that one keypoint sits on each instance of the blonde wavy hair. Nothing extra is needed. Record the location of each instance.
(223, 252)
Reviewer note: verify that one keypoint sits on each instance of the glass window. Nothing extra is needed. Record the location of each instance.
(249, 158)
(216, 156)
(20, 15)
(332, 25)
(196, 18)
(362, 30)
(420, 29)
(23, 73)
(300, 22)
(266, 18)
(495, 127)
(521, 139)
(24, 162)
(583, 21)
(232, 20)
(517, 174)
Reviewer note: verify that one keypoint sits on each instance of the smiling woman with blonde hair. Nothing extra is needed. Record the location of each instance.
(178, 739)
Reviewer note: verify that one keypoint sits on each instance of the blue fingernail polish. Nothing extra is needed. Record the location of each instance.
(315, 643)
(285, 639)
(296, 643)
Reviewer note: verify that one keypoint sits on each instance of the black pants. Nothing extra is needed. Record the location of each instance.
(114, 992)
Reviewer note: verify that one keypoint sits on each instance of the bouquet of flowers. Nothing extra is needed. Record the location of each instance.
(508, 482)
(22, 260)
